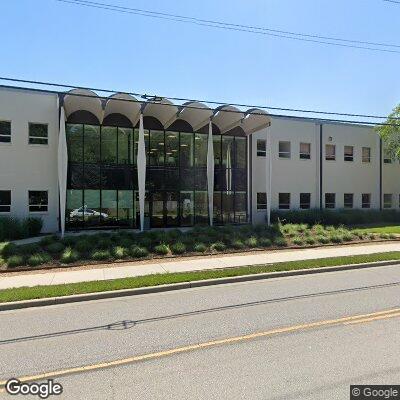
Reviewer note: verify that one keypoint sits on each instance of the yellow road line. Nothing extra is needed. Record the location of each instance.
(151, 356)
(359, 321)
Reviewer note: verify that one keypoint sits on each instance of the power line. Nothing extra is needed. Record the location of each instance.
(218, 103)
(392, 1)
(239, 27)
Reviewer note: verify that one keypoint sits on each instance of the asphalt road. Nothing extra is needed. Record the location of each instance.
(291, 351)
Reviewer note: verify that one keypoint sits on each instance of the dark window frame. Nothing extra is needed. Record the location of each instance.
(262, 202)
(366, 202)
(331, 157)
(305, 204)
(5, 204)
(38, 207)
(286, 155)
(348, 200)
(366, 159)
(302, 154)
(5, 131)
(263, 151)
(386, 203)
(284, 205)
(38, 140)
(330, 204)
(349, 157)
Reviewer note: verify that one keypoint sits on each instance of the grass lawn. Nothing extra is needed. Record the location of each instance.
(379, 228)
(39, 292)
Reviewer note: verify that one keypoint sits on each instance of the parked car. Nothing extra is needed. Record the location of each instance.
(86, 213)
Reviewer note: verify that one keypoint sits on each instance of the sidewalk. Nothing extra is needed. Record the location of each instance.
(124, 270)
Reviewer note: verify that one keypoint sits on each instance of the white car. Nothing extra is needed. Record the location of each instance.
(86, 213)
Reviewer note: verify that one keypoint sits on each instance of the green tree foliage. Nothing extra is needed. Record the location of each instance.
(390, 133)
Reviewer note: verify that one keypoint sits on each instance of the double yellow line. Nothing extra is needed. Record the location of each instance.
(349, 320)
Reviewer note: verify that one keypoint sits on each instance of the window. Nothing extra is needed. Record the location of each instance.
(366, 200)
(387, 157)
(261, 148)
(305, 200)
(387, 200)
(330, 152)
(366, 154)
(348, 153)
(348, 200)
(330, 200)
(305, 151)
(284, 149)
(38, 201)
(261, 201)
(38, 133)
(5, 132)
(5, 200)
(284, 201)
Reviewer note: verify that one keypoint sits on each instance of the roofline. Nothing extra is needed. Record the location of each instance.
(271, 116)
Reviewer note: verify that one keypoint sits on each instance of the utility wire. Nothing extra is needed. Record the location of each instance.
(392, 1)
(218, 103)
(240, 28)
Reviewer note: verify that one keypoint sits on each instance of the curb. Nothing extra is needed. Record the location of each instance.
(184, 285)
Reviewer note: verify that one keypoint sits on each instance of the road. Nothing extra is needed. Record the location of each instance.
(284, 338)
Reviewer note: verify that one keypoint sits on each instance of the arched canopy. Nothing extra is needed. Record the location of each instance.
(125, 104)
(164, 111)
(255, 120)
(227, 117)
(83, 100)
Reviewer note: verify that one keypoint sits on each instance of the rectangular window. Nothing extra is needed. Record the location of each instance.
(387, 200)
(5, 132)
(5, 200)
(38, 201)
(330, 152)
(366, 200)
(330, 200)
(284, 149)
(305, 200)
(366, 154)
(387, 157)
(305, 151)
(38, 133)
(261, 148)
(348, 200)
(348, 153)
(284, 201)
(261, 201)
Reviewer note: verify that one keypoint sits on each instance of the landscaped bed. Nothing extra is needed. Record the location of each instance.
(123, 245)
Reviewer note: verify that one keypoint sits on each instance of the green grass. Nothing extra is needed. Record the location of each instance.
(40, 292)
(380, 229)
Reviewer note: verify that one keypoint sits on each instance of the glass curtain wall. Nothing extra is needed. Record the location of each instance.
(102, 187)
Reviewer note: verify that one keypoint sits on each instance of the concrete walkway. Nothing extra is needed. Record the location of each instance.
(123, 270)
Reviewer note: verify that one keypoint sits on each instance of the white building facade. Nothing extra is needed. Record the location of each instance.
(81, 161)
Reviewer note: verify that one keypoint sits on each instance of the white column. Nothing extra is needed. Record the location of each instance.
(210, 173)
(141, 168)
(268, 163)
(62, 165)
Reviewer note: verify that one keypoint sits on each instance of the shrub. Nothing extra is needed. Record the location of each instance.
(392, 236)
(161, 249)
(335, 238)
(120, 252)
(70, 240)
(264, 242)
(11, 229)
(280, 242)
(238, 244)
(38, 259)
(100, 255)
(252, 242)
(2, 262)
(371, 236)
(310, 240)
(33, 225)
(178, 248)
(298, 241)
(104, 243)
(9, 249)
(29, 249)
(48, 240)
(322, 239)
(218, 246)
(347, 237)
(200, 247)
(55, 248)
(139, 252)
(384, 236)
(69, 255)
(84, 245)
(359, 234)
(15, 261)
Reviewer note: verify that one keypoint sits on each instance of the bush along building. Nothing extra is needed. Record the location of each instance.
(81, 161)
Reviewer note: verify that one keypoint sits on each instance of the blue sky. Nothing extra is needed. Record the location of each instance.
(52, 41)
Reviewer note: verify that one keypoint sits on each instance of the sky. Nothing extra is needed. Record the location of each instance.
(47, 40)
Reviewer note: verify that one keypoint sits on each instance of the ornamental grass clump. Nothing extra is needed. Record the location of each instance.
(119, 252)
(100, 255)
(38, 259)
(251, 242)
(238, 244)
(218, 246)
(310, 240)
(298, 241)
(55, 248)
(138, 252)
(161, 249)
(15, 261)
(264, 242)
(200, 247)
(322, 239)
(69, 255)
(178, 248)
(280, 242)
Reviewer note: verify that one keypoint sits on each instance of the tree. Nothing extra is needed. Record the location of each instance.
(390, 133)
